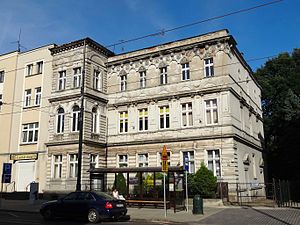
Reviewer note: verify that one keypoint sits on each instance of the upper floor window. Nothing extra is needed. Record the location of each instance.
(30, 132)
(209, 67)
(27, 98)
(39, 66)
(187, 115)
(142, 160)
(123, 160)
(97, 80)
(163, 75)
(164, 116)
(60, 120)
(142, 79)
(38, 96)
(95, 120)
(75, 118)
(185, 70)
(123, 83)
(1, 76)
(143, 119)
(57, 166)
(123, 122)
(77, 77)
(62, 80)
(1, 98)
(189, 159)
(211, 110)
(93, 161)
(29, 69)
(73, 165)
(213, 162)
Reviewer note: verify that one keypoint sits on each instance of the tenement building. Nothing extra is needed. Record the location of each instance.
(197, 96)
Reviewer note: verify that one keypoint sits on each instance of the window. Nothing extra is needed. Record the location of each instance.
(160, 161)
(29, 69)
(213, 162)
(142, 160)
(62, 80)
(189, 158)
(27, 100)
(95, 120)
(73, 165)
(57, 166)
(143, 119)
(60, 120)
(39, 67)
(75, 118)
(187, 115)
(123, 118)
(93, 161)
(254, 167)
(164, 116)
(77, 77)
(185, 70)
(30, 133)
(211, 111)
(1, 98)
(1, 76)
(123, 83)
(209, 67)
(123, 160)
(38, 96)
(142, 79)
(163, 75)
(97, 80)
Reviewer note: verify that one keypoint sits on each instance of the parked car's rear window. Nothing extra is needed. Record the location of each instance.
(104, 195)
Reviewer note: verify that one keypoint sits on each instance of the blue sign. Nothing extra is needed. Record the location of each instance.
(6, 178)
(186, 163)
(7, 168)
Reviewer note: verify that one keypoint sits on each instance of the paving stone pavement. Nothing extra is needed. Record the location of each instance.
(257, 216)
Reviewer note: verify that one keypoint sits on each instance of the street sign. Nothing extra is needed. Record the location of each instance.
(6, 178)
(6, 173)
(186, 163)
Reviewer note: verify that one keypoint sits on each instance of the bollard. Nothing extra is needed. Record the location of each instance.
(197, 205)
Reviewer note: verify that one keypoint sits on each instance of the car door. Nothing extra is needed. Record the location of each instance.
(69, 205)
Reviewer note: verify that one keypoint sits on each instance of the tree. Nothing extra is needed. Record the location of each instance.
(120, 184)
(203, 182)
(280, 82)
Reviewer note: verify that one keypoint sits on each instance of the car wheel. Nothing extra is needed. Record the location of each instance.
(93, 216)
(48, 215)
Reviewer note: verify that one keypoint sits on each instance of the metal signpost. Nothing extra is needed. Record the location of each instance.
(164, 168)
(186, 168)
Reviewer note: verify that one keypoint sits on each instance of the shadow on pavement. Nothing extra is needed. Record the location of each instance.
(268, 215)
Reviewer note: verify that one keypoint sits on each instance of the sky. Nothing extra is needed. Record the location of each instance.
(260, 33)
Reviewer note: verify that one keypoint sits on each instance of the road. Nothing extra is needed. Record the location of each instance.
(25, 218)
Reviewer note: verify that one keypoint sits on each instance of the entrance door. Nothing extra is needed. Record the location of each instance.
(25, 175)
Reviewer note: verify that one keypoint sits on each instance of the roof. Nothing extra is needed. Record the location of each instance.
(134, 169)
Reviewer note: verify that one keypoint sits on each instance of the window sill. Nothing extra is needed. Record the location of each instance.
(31, 106)
(32, 75)
(30, 143)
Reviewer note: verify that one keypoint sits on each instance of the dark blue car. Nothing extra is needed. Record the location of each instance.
(94, 206)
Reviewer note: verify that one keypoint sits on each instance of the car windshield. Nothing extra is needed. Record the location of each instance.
(105, 196)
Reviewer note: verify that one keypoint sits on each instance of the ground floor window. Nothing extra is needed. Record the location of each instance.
(189, 158)
(213, 162)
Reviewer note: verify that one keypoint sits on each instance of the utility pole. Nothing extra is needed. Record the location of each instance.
(81, 116)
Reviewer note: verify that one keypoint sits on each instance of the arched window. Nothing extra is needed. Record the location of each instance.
(95, 120)
(60, 120)
(75, 118)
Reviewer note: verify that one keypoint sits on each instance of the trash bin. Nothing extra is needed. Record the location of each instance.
(34, 190)
(197, 205)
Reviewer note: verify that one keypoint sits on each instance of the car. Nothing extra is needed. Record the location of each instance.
(94, 206)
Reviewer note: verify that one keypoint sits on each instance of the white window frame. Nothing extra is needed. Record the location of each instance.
(209, 67)
(95, 120)
(94, 159)
(29, 69)
(62, 77)
(75, 117)
(60, 121)
(143, 122)
(57, 166)
(186, 111)
(191, 160)
(185, 71)
(1, 101)
(123, 83)
(165, 116)
(209, 111)
(123, 122)
(30, 129)
(163, 75)
(39, 67)
(77, 77)
(38, 96)
(144, 162)
(142, 79)
(2, 76)
(73, 165)
(97, 80)
(27, 98)
(214, 160)
(122, 160)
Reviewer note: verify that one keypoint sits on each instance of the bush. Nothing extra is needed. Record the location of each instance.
(120, 184)
(203, 182)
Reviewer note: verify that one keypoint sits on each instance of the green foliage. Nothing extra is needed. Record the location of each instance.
(203, 182)
(120, 184)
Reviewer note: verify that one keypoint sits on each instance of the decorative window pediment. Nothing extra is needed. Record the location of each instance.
(162, 64)
(122, 73)
(141, 69)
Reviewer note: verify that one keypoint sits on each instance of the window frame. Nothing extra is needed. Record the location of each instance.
(77, 77)
(145, 163)
(30, 129)
(37, 96)
(94, 160)
(143, 119)
(60, 121)
(143, 79)
(191, 161)
(185, 71)
(62, 78)
(163, 75)
(29, 69)
(213, 160)
(2, 74)
(97, 80)
(39, 67)
(95, 120)
(185, 113)
(75, 118)
(123, 82)
(73, 165)
(211, 109)
(57, 164)
(209, 67)
(122, 163)
(165, 116)
(27, 98)
(123, 122)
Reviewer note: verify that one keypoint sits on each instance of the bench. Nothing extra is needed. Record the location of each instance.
(140, 203)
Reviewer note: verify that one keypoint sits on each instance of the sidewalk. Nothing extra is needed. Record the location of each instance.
(147, 214)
